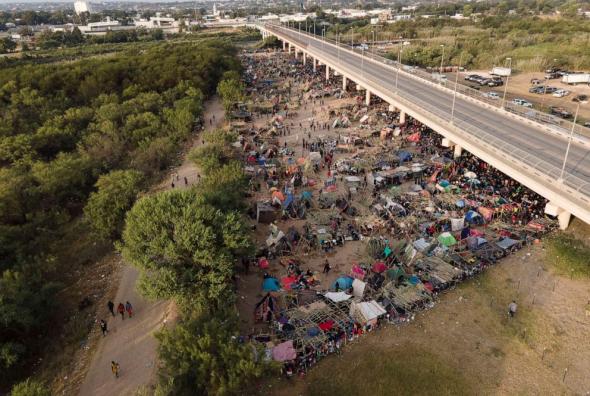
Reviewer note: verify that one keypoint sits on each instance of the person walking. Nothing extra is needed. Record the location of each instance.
(103, 327)
(111, 307)
(327, 267)
(129, 309)
(115, 368)
(512, 307)
(121, 310)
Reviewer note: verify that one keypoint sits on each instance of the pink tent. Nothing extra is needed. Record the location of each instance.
(379, 267)
(284, 352)
(357, 272)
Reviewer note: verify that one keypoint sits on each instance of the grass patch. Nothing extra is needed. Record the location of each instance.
(406, 371)
(569, 256)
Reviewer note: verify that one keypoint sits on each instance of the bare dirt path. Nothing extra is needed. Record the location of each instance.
(131, 342)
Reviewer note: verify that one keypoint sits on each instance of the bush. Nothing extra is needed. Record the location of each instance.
(30, 388)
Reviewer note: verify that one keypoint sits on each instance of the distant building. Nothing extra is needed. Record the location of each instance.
(81, 6)
(101, 27)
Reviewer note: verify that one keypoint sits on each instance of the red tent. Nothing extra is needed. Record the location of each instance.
(379, 267)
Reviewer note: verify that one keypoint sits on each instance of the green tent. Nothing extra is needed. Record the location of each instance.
(447, 239)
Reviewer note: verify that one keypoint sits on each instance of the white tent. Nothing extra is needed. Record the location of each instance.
(365, 312)
(358, 288)
(337, 296)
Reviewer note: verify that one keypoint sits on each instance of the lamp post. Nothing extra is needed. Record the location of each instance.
(455, 91)
(352, 37)
(324, 36)
(399, 60)
(569, 143)
(544, 92)
(373, 33)
(362, 62)
(338, 45)
(507, 78)
(442, 58)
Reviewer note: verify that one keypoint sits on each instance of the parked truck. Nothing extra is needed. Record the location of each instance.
(501, 71)
(576, 78)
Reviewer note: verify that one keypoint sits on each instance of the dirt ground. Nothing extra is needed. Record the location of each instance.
(519, 84)
(469, 330)
(543, 350)
(130, 342)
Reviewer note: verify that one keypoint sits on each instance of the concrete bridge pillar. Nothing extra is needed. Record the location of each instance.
(304, 58)
(402, 117)
(284, 45)
(458, 151)
(368, 98)
(344, 83)
(290, 48)
(315, 64)
(327, 72)
(359, 88)
(391, 107)
(563, 216)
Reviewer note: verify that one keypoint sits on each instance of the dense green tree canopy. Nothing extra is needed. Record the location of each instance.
(183, 245)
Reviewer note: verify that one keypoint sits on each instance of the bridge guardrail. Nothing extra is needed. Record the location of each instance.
(559, 124)
(480, 136)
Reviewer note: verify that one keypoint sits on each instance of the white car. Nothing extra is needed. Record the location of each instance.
(522, 102)
(560, 93)
(492, 95)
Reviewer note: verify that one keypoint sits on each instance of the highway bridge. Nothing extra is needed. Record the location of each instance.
(530, 151)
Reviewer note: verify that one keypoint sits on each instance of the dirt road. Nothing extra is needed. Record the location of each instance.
(130, 342)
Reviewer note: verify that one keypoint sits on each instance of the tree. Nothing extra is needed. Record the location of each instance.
(201, 356)
(30, 387)
(7, 45)
(231, 92)
(225, 187)
(183, 246)
(106, 207)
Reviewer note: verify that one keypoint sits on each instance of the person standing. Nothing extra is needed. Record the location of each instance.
(121, 310)
(111, 307)
(129, 309)
(103, 327)
(115, 368)
(512, 307)
(327, 267)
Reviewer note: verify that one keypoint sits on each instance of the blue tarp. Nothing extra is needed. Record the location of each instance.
(288, 200)
(506, 243)
(460, 203)
(344, 282)
(404, 156)
(444, 183)
(271, 284)
(414, 280)
(472, 217)
(306, 195)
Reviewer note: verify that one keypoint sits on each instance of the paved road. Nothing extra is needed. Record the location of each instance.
(515, 135)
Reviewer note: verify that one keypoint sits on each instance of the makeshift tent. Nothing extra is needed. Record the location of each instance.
(284, 352)
(358, 288)
(366, 313)
(457, 224)
(404, 156)
(447, 239)
(357, 272)
(288, 282)
(507, 243)
(473, 217)
(395, 274)
(379, 267)
(337, 296)
(271, 284)
(343, 283)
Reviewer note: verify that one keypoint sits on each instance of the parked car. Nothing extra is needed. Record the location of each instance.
(560, 93)
(552, 76)
(495, 82)
(587, 124)
(536, 81)
(580, 98)
(472, 77)
(522, 102)
(550, 90)
(537, 90)
(560, 112)
(492, 95)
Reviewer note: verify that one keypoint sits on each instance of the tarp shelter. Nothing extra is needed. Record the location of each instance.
(284, 352)
(404, 156)
(447, 239)
(457, 224)
(395, 274)
(315, 156)
(271, 284)
(357, 272)
(460, 203)
(379, 267)
(473, 217)
(288, 282)
(358, 288)
(506, 243)
(366, 313)
(337, 296)
(343, 283)
(475, 242)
